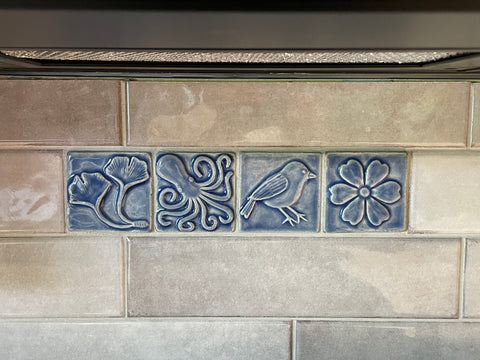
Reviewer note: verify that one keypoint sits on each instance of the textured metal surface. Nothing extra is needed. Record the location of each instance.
(250, 57)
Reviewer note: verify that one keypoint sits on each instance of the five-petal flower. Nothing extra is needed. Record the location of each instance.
(364, 193)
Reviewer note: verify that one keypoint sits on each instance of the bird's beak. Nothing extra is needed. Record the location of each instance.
(311, 175)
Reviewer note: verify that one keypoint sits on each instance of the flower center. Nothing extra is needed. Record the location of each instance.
(364, 192)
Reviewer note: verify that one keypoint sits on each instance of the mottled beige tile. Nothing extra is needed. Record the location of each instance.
(293, 277)
(55, 112)
(146, 340)
(288, 113)
(387, 340)
(472, 279)
(445, 192)
(58, 277)
(31, 191)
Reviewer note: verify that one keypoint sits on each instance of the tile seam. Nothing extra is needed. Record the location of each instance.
(127, 112)
(123, 112)
(463, 264)
(293, 342)
(471, 117)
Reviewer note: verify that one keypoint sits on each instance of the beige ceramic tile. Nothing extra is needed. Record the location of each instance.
(293, 277)
(387, 340)
(445, 192)
(60, 111)
(146, 340)
(31, 191)
(298, 113)
(472, 279)
(57, 277)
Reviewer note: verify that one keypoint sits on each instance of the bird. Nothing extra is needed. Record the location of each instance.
(281, 191)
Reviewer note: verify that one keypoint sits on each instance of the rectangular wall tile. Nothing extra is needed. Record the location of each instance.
(472, 279)
(255, 113)
(56, 112)
(293, 277)
(387, 340)
(166, 340)
(58, 277)
(445, 192)
(31, 191)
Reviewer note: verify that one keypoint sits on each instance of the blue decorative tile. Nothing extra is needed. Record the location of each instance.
(365, 192)
(279, 192)
(108, 191)
(194, 192)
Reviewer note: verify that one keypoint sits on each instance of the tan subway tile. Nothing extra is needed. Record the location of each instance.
(52, 112)
(387, 340)
(472, 279)
(57, 277)
(146, 340)
(31, 191)
(293, 277)
(445, 192)
(260, 113)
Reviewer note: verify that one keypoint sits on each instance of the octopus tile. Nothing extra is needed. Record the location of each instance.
(194, 192)
(279, 192)
(108, 191)
(365, 192)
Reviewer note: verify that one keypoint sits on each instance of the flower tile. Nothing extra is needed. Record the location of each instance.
(365, 192)
(194, 192)
(279, 192)
(108, 191)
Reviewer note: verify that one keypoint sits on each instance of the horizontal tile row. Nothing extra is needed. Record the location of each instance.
(238, 113)
(238, 340)
(166, 340)
(275, 191)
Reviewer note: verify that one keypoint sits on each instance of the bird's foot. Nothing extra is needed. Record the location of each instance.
(290, 220)
(298, 215)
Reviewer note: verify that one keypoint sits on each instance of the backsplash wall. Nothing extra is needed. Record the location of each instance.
(166, 219)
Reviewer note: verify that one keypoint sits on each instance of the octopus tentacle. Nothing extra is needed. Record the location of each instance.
(228, 188)
(171, 204)
(210, 178)
(225, 209)
(163, 213)
(205, 219)
(185, 224)
(220, 175)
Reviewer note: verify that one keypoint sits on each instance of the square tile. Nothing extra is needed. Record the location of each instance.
(108, 191)
(279, 192)
(365, 192)
(194, 192)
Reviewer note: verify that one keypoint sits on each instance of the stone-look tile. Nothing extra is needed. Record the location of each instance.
(255, 113)
(472, 279)
(108, 191)
(387, 340)
(60, 111)
(58, 277)
(31, 191)
(279, 192)
(445, 192)
(194, 192)
(365, 192)
(476, 116)
(126, 340)
(293, 277)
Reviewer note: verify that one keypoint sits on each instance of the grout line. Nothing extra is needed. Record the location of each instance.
(463, 261)
(126, 264)
(408, 190)
(123, 113)
(127, 113)
(323, 188)
(471, 117)
(294, 340)
(65, 190)
(238, 198)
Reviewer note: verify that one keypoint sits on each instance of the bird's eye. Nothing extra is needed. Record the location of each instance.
(304, 171)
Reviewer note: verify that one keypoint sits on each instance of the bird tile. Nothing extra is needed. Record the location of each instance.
(108, 191)
(194, 192)
(279, 192)
(365, 192)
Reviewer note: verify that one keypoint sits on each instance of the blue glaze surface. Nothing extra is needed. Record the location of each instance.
(279, 192)
(194, 192)
(365, 192)
(108, 191)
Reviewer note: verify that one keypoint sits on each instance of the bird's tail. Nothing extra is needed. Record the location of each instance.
(247, 209)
